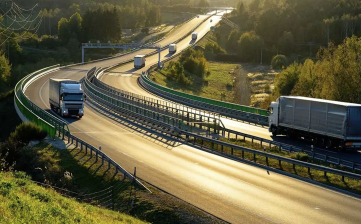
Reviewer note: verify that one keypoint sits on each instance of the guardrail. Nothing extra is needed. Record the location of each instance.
(51, 124)
(218, 145)
(291, 148)
(185, 120)
(234, 149)
(244, 113)
(32, 112)
(164, 107)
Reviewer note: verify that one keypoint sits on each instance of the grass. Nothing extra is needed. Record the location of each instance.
(22, 201)
(89, 175)
(347, 184)
(218, 85)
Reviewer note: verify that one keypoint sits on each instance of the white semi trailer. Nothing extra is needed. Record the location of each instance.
(139, 61)
(194, 36)
(330, 124)
(172, 48)
(66, 97)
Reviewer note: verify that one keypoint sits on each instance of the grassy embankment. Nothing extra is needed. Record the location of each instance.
(88, 176)
(240, 83)
(22, 201)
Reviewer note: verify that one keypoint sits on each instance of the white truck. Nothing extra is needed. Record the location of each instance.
(172, 48)
(326, 123)
(139, 61)
(194, 36)
(66, 97)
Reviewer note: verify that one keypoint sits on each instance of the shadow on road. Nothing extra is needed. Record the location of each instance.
(69, 120)
(192, 42)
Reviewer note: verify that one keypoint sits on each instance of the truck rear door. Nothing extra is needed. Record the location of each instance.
(354, 122)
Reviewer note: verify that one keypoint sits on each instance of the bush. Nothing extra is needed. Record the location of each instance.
(300, 156)
(214, 48)
(27, 132)
(279, 62)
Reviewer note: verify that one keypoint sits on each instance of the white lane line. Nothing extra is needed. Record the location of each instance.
(41, 98)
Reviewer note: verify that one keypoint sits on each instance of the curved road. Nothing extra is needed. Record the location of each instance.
(126, 76)
(233, 191)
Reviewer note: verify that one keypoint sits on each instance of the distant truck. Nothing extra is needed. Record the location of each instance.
(194, 36)
(139, 61)
(172, 48)
(66, 97)
(326, 123)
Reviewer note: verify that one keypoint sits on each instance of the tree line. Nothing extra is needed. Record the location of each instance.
(289, 27)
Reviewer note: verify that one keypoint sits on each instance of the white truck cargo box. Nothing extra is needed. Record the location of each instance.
(139, 61)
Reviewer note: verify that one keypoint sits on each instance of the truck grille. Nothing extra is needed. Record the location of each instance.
(73, 112)
(73, 106)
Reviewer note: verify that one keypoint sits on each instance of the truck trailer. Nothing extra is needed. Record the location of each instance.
(139, 61)
(66, 97)
(326, 123)
(194, 36)
(172, 48)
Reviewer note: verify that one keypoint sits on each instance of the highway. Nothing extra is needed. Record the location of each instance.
(233, 191)
(126, 76)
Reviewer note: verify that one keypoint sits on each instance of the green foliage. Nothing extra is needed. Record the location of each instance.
(286, 80)
(279, 62)
(300, 156)
(27, 132)
(175, 71)
(64, 30)
(286, 43)
(249, 46)
(5, 69)
(214, 48)
(232, 40)
(25, 202)
(335, 76)
(102, 25)
(194, 62)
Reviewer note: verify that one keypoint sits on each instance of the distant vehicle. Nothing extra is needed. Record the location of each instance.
(172, 48)
(327, 123)
(194, 36)
(139, 61)
(66, 97)
(198, 16)
(211, 20)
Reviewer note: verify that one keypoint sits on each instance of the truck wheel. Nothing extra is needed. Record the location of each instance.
(274, 132)
(322, 142)
(80, 117)
(330, 143)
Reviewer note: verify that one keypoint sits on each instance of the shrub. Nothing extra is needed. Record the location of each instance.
(279, 62)
(300, 156)
(27, 132)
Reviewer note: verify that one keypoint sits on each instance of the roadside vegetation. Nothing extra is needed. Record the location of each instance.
(23, 201)
(73, 173)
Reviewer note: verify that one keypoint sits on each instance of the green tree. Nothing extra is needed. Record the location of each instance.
(232, 40)
(5, 69)
(286, 80)
(249, 46)
(286, 43)
(64, 30)
(279, 62)
(75, 22)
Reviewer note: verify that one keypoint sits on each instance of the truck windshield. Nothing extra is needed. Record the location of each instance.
(73, 97)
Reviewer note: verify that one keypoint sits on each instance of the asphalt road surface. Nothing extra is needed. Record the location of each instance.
(233, 191)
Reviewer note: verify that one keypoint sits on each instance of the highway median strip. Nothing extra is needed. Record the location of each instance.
(333, 180)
